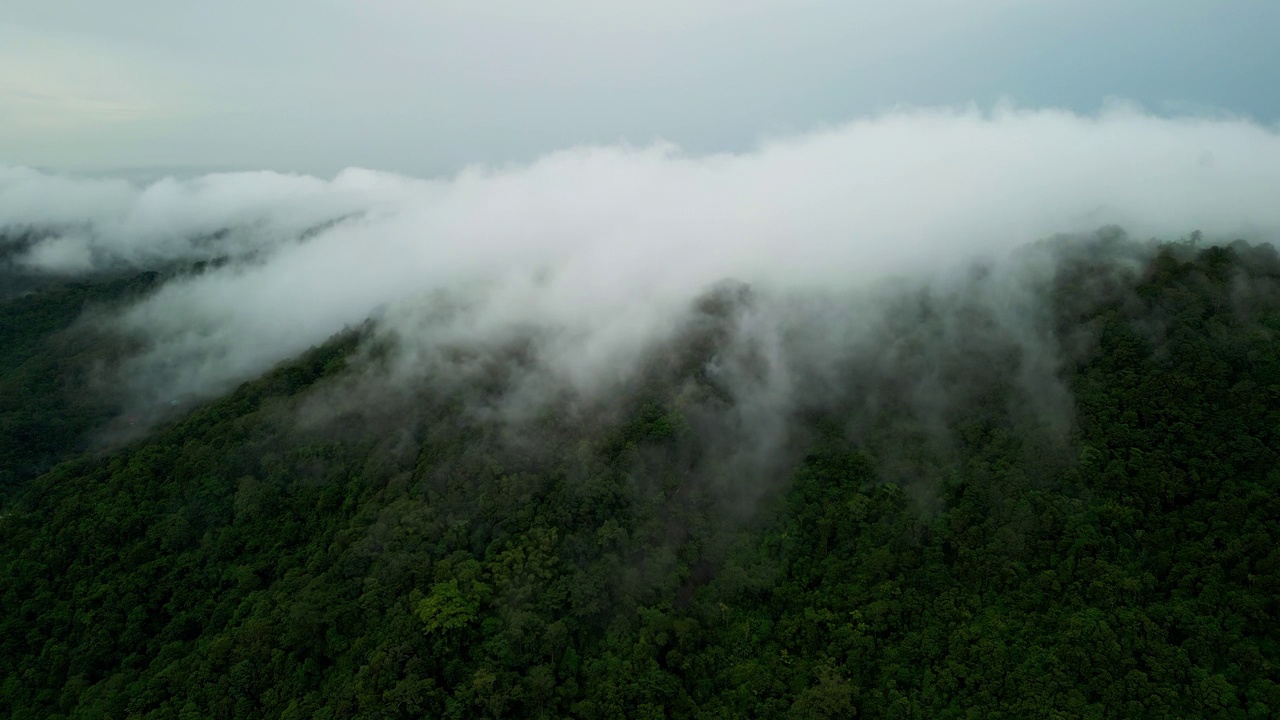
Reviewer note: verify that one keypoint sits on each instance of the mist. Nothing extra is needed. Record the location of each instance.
(599, 253)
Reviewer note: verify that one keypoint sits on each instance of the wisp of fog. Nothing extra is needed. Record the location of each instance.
(602, 249)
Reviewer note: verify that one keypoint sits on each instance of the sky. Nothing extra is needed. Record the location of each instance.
(427, 88)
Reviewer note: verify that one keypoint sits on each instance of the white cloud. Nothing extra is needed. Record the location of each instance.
(604, 247)
(68, 253)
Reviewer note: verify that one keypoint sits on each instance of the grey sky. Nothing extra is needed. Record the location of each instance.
(427, 87)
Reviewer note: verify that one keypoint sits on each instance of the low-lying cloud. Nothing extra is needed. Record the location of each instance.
(602, 250)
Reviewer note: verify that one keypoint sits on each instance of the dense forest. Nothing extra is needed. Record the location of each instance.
(279, 552)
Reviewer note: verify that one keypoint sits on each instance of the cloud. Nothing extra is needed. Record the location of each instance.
(598, 252)
(68, 252)
(167, 220)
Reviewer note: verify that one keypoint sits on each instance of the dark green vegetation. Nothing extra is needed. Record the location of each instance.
(45, 413)
(411, 560)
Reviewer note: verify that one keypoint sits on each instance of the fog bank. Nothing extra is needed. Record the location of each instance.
(603, 249)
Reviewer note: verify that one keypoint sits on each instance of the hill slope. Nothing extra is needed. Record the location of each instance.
(282, 552)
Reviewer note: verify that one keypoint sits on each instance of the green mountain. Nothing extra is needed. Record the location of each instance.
(299, 548)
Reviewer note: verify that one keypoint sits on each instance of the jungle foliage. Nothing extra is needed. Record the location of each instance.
(408, 561)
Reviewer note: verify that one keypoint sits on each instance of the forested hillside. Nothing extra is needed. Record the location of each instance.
(289, 551)
(48, 409)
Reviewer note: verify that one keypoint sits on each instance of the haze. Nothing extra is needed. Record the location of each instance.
(604, 248)
(154, 87)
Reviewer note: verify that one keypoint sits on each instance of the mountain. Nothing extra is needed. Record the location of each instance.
(1052, 493)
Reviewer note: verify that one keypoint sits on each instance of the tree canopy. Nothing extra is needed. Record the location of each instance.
(410, 561)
